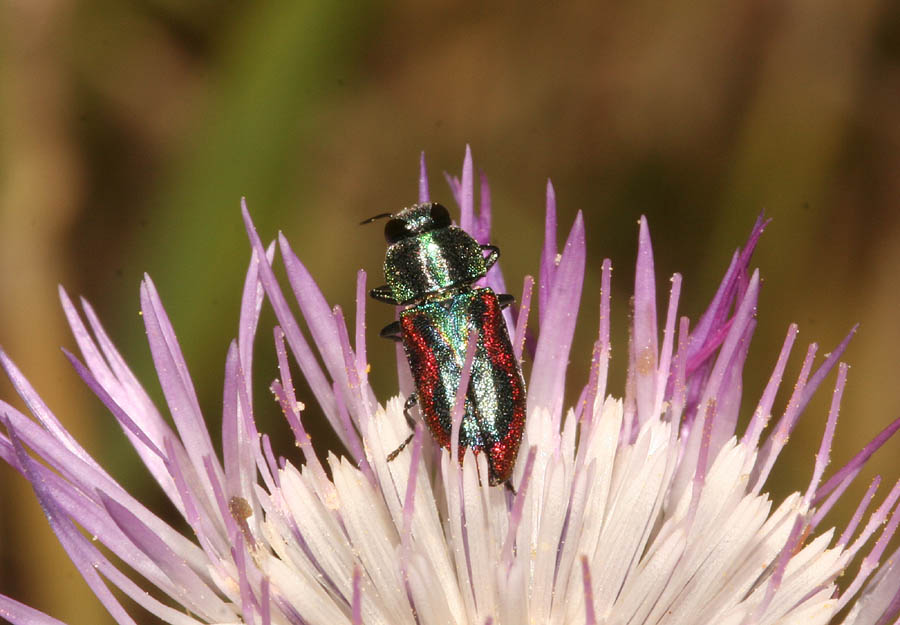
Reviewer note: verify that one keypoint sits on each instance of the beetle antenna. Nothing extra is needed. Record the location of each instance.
(375, 218)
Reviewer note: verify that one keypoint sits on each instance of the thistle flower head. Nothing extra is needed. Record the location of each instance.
(635, 506)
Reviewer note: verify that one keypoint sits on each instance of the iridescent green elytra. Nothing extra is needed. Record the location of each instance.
(430, 268)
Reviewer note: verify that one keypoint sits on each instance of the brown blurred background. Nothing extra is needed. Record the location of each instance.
(130, 130)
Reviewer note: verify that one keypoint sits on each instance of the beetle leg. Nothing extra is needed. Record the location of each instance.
(391, 331)
(509, 487)
(410, 402)
(402, 446)
(506, 300)
(492, 257)
(383, 294)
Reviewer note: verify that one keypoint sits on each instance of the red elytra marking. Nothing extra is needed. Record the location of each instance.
(503, 453)
(497, 348)
(427, 378)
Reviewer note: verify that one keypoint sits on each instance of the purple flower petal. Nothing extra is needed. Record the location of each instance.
(551, 359)
(142, 443)
(678, 379)
(271, 463)
(191, 591)
(176, 382)
(459, 402)
(121, 392)
(728, 399)
(872, 559)
(779, 436)
(848, 532)
(467, 193)
(875, 521)
(320, 387)
(198, 512)
(238, 443)
(265, 603)
(589, 617)
(665, 360)
(68, 536)
(478, 225)
(891, 611)
(251, 305)
(249, 604)
(762, 413)
(82, 479)
(858, 460)
(83, 508)
(455, 187)
(325, 334)
(20, 614)
(716, 313)
(824, 453)
(284, 392)
(725, 374)
(515, 514)
(803, 392)
(40, 410)
(482, 232)
(424, 196)
(698, 478)
(549, 261)
(600, 356)
(362, 363)
(360, 392)
(792, 544)
(522, 317)
(644, 333)
(356, 451)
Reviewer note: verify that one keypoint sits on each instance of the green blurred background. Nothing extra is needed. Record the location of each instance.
(130, 130)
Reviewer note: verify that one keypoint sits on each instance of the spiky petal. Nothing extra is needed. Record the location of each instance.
(645, 509)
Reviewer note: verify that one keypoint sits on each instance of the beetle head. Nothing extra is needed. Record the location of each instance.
(414, 220)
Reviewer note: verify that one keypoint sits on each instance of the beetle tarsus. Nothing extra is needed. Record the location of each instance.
(506, 300)
(384, 294)
(391, 331)
(408, 405)
(493, 257)
(397, 451)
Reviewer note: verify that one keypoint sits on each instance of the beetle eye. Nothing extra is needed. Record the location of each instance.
(439, 216)
(395, 230)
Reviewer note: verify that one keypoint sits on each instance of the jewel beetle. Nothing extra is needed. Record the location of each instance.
(430, 268)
